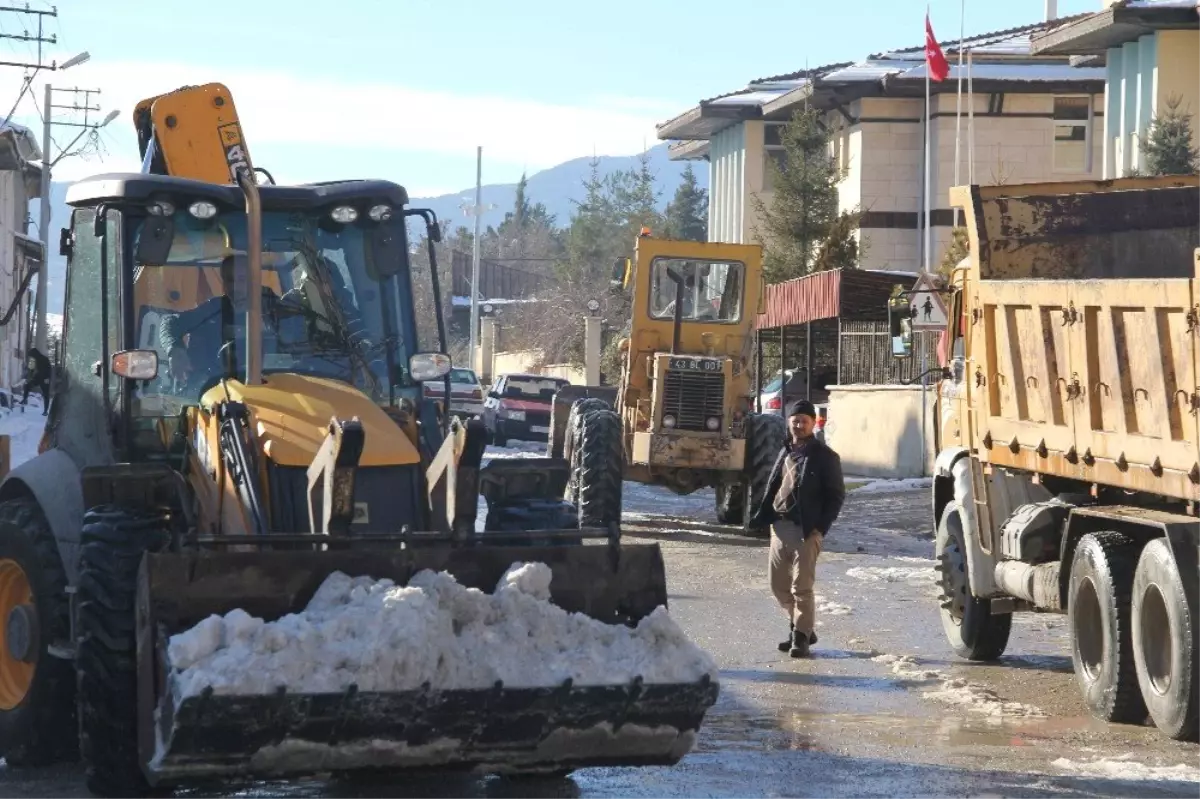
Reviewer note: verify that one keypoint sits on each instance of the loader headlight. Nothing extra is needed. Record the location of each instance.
(713, 423)
(425, 366)
(161, 208)
(668, 420)
(202, 209)
(380, 213)
(343, 214)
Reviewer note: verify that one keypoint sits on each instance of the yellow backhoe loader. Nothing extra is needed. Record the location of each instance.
(189, 470)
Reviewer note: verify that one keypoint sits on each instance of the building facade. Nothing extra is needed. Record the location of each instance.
(1150, 51)
(20, 253)
(1034, 119)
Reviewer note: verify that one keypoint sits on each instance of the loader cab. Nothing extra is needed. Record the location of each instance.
(160, 264)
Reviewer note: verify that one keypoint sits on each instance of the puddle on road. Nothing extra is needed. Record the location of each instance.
(811, 729)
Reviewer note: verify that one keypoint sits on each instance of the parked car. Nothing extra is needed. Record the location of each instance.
(518, 407)
(466, 393)
(775, 396)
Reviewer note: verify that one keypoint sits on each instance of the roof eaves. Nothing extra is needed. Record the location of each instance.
(951, 45)
(815, 72)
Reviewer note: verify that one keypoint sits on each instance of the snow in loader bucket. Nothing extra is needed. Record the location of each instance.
(402, 660)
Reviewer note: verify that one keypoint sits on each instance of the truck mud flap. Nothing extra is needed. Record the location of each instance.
(498, 728)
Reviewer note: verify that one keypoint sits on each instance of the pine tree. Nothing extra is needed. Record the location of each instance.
(1168, 148)
(840, 249)
(804, 207)
(956, 250)
(687, 213)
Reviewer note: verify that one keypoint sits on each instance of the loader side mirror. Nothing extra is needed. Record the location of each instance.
(66, 242)
(900, 327)
(425, 366)
(154, 240)
(135, 364)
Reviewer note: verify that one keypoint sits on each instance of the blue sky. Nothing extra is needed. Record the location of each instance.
(405, 89)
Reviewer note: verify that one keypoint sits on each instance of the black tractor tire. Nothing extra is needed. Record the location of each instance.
(766, 435)
(973, 632)
(1099, 610)
(112, 545)
(1165, 650)
(572, 438)
(731, 503)
(601, 469)
(38, 727)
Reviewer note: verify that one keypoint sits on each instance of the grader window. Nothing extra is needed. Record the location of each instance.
(712, 290)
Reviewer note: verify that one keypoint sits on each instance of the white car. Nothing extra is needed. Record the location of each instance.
(466, 393)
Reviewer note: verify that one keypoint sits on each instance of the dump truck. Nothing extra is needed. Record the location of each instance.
(1067, 475)
(169, 489)
(682, 416)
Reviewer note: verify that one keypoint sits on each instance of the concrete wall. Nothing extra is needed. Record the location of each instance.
(877, 430)
(527, 361)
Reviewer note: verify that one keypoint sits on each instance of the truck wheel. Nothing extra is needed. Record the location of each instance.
(1098, 606)
(112, 545)
(1164, 643)
(37, 690)
(731, 503)
(973, 632)
(766, 435)
(601, 469)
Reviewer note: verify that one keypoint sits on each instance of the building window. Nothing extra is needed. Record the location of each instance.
(1072, 134)
(772, 151)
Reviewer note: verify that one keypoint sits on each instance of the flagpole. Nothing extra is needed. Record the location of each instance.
(928, 170)
(962, 35)
(970, 121)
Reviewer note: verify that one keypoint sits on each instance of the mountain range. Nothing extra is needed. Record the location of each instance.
(558, 188)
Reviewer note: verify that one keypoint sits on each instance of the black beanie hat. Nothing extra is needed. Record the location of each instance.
(798, 407)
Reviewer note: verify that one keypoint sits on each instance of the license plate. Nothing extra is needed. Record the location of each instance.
(537, 429)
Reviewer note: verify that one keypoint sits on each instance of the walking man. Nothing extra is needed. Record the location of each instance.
(37, 377)
(804, 496)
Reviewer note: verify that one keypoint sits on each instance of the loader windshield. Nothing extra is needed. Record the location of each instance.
(712, 290)
(328, 311)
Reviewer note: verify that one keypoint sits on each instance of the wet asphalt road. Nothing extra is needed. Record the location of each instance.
(882, 709)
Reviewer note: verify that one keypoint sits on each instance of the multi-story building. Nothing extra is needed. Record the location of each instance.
(1035, 118)
(20, 253)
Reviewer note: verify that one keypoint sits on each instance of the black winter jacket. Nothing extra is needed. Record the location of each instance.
(820, 493)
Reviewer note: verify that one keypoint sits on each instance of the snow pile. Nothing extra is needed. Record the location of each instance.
(957, 691)
(832, 608)
(1124, 768)
(384, 637)
(923, 576)
(877, 486)
(24, 425)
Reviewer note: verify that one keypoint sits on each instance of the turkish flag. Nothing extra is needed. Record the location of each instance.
(935, 59)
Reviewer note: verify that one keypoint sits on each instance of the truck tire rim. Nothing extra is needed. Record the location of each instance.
(954, 578)
(1155, 639)
(17, 613)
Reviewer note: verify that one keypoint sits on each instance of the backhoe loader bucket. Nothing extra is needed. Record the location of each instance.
(494, 730)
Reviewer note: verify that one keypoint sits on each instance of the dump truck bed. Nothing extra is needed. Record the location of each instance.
(1082, 328)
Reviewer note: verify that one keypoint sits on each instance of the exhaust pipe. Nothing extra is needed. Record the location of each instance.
(253, 277)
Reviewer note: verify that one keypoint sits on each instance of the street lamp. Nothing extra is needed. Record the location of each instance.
(76, 60)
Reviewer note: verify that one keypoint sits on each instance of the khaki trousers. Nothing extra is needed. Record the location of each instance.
(793, 572)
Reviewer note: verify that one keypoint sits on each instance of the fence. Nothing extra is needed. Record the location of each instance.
(847, 353)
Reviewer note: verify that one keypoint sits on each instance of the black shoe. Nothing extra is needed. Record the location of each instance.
(800, 645)
(785, 646)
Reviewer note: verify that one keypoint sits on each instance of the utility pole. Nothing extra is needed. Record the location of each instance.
(477, 211)
(475, 254)
(48, 163)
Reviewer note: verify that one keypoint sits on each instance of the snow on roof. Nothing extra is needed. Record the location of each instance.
(1015, 72)
(459, 301)
(1162, 4)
